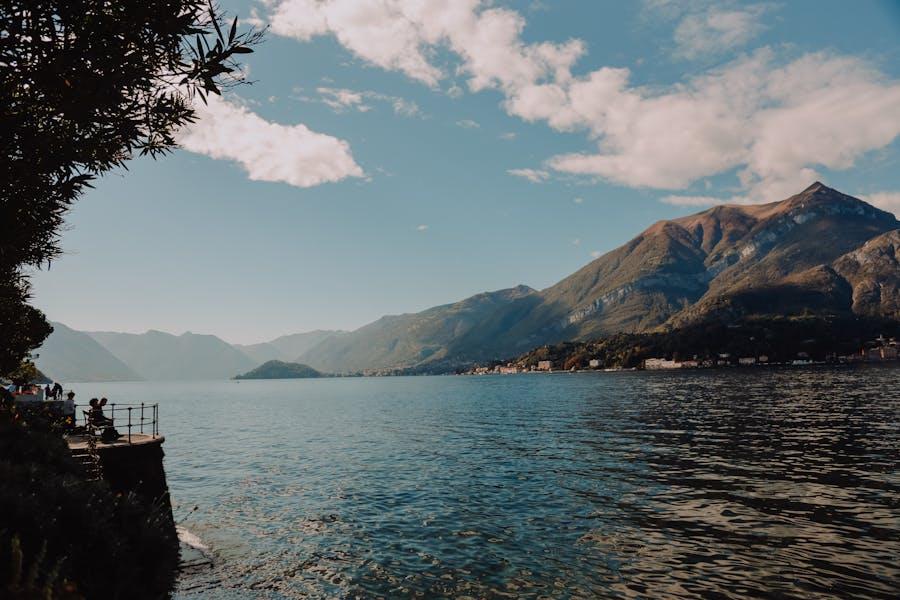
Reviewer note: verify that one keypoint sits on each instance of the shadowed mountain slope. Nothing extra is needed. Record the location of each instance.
(873, 272)
(287, 347)
(156, 355)
(411, 339)
(72, 356)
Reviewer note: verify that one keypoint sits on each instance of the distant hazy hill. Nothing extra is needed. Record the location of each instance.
(156, 355)
(69, 355)
(286, 347)
(410, 339)
(276, 369)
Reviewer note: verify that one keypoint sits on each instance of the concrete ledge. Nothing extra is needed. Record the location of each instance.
(79, 442)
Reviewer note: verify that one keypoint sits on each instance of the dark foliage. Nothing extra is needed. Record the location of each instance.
(84, 85)
(276, 369)
(782, 339)
(22, 327)
(70, 537)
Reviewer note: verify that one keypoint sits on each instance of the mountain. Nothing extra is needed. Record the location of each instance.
(723, 263)
(819, 251)
(156, 355)
(72, 356)
(276, 369)
(410, 340)
(286, 347)
(873, 273)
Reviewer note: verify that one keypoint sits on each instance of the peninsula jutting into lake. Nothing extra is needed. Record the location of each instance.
(449, 299)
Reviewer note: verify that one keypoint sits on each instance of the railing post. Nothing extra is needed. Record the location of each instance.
(113, 412)
(129, 424)
(142, 417)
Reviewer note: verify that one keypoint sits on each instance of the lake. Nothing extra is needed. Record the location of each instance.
(730, 483)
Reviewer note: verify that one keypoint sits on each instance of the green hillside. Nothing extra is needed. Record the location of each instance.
(276, 369)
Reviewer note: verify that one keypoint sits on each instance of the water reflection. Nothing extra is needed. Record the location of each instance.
(734, 484)
(779, 485)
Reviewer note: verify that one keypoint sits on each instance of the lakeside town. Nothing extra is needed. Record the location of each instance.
(879, 350)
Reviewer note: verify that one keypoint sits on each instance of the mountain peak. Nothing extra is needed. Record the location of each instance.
(831, 201)
(816, 187)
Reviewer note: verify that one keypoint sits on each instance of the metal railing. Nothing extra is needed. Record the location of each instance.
(133, 417)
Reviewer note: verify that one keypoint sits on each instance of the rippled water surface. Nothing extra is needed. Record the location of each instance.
(734, 483)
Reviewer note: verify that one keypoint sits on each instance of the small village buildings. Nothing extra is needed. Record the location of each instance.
(746, 361)
(594, 363)
(654, 364)
(545, 365)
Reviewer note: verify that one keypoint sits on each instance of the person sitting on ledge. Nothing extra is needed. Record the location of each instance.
(98, 419)
(96, 413)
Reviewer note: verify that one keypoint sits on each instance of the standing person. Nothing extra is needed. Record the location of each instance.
(58, 390)
(48, 393)
(68, 409)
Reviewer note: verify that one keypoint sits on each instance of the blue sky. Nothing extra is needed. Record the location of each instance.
(392, 155)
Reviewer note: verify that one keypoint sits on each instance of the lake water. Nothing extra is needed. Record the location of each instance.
(730, 483)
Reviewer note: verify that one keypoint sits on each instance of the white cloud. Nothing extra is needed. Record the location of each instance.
(402, 35)
(508, 136)
(774, 123)
(714, 30)
(422, 228)
(596, 254)
(578, 200)
(889, 201)
(771, 121)
(692, 200)
(377, 31)
(405, 108)
(267, 151)
(468, 124)
(341, 99)
(532, 175)
(576, 242)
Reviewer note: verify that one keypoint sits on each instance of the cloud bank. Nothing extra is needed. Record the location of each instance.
(771, 121)
(293, 154)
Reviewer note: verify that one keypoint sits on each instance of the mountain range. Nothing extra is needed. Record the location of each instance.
(819, 252)
(287, 347)
(69, 355)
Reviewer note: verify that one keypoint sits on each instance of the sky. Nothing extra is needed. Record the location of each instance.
(392, 155)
